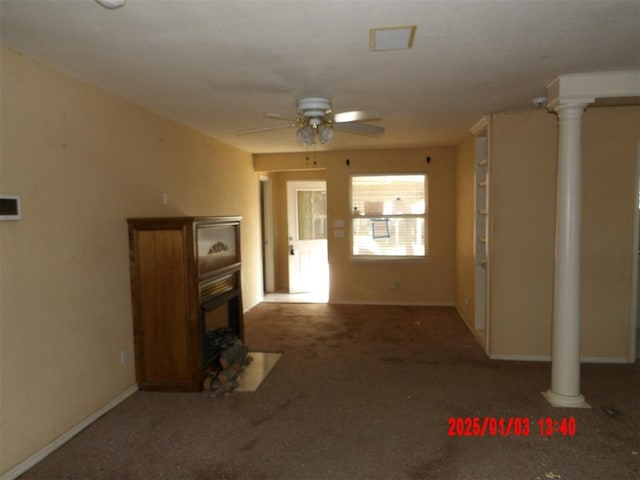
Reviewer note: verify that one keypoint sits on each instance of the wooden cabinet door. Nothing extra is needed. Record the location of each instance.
(162, 335)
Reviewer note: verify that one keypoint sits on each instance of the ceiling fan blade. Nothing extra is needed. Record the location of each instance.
(278, 116)
(360, 128)
(355, 116)
(264, 129)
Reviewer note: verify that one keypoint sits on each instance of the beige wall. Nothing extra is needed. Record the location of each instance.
(523, 180)
(610, 137)
(465, 281)
(419, 282)
(83, 161)
(522, 201)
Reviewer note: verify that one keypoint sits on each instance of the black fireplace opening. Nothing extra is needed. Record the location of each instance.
(219, 312)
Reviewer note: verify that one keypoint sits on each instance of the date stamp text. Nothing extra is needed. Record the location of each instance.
(510, 426)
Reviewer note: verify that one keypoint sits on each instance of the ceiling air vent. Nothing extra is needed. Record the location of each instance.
(391, 38)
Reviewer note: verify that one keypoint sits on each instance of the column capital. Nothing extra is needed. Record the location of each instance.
(586, 87)
(570, 104)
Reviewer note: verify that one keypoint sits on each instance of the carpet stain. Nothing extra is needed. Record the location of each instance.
(217, 472)
(438, 465)
(394, 359)
(311, 354)
(340, 336)
(432, 361)
(256, 422)
(393, 340)
(249, 445)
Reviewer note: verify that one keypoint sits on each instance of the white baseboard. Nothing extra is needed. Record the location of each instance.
(520, 358)
(246, 308)
(461, 314)
(393, 304)
(605, 360)
(31, 461)
(547, 358)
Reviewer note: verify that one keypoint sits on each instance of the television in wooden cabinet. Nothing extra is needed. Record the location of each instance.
(185, 281)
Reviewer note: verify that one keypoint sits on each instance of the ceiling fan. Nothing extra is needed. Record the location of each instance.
(315, 121)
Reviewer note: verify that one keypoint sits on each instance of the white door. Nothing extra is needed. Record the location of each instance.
(307, 219)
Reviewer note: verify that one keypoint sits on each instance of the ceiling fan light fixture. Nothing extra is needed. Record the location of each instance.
(314, 107)
(315, 122)
(111, 4)
(305, 135)
(325, 134)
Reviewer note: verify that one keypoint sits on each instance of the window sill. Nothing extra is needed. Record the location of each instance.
(387, 259)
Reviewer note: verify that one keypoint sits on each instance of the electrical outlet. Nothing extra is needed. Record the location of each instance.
(124, 358)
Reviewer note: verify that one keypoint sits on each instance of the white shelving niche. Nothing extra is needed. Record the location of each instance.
(482, 237)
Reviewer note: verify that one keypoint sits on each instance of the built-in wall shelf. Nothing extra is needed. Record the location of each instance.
(482, 235)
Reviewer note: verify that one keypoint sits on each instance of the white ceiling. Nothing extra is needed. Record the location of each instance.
(218, 66)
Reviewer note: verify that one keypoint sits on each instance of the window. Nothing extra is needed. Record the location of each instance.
(389, 216)
(312, 215)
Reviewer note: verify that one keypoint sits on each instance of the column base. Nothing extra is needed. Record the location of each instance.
(565, 401)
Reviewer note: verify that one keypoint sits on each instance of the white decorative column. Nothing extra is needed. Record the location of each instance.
(565, 347)
(569, 95)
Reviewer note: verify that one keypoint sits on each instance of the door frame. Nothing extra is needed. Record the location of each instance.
(267, 233)
(292, 209)
(635, 296)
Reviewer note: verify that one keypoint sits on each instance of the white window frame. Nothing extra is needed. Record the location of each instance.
(425, 216)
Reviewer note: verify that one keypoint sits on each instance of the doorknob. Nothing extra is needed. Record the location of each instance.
(291, 252)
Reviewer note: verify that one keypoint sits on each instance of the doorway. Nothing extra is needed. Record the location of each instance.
(305, 215)
(307, 238)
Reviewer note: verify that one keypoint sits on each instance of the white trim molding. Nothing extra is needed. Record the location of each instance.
(390, 303)
(480, 126)
(547, 358)
(47, 450)
(586, 87)
(634, 325)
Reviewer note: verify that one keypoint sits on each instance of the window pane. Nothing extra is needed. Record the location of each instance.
(388, 194)
(312, 215)
(389, 236)
(389, 215)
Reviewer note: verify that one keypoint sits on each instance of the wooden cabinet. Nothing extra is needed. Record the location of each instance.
(185, 280)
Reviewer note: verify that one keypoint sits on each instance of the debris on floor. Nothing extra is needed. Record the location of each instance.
(612, 412)
(548, 475)
(551, 475)
(225, 358)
